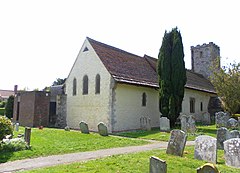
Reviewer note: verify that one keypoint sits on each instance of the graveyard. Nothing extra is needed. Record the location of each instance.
(216, 144)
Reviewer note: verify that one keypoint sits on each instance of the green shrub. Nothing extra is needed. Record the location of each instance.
(2, 104)
(5, 127)
(15, 144)
(2, 111)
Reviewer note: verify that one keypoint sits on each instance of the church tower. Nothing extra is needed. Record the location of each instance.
(203, 57)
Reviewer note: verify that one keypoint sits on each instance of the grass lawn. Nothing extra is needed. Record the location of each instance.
(51, 141)
(138, 163)
(155, 134)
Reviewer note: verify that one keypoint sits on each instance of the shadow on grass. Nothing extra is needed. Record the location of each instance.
(5, 156)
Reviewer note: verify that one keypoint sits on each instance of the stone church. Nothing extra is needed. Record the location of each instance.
(109, 85)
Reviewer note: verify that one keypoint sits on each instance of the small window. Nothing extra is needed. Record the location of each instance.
(201, 106)
(85, 85)
(201, 54)
(144, 99)
(74, 86)
(97, 84)
(192, 105)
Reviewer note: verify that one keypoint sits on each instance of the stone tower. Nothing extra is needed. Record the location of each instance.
(203, 57)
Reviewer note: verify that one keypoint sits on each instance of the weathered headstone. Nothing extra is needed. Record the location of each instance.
(27, 135)
(17, 127)
(232, 124)
(234, 134)
(84, 127)
(206, 148)
(164, 124)
(188, 123)
(206, 118)
(177, 142)
(102, 129)
(145, 123)
(208, 168)
(157, 165)
(222, 135)
(221, 119)
(232, 152)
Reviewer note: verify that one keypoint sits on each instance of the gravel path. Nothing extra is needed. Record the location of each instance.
(28, 164)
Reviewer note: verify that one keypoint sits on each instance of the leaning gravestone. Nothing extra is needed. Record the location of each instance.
(232, 123)
(221, 119)
(222, 135)
(164, 124)
(234, 134)
(206, 148)
(208, 168)
(177, 142)
(84, 127)
(232, 152)
(188, 124)
(157, 165)
(102, 129)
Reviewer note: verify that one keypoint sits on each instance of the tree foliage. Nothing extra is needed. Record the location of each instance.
(59, 81)
(5, 127)
(9, 107)
(172, 75)
(226, 81)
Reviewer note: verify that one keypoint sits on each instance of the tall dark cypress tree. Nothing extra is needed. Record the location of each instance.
(172, 75)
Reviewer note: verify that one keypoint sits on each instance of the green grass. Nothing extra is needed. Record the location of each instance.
(2, 111)
(155, 134)
(138, 163)
(51, 141)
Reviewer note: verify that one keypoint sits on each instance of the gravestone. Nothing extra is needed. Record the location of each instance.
(102, 129)
(222, 135)
(206, 118)
(145, 123)
(164, 124)
(221, 119)
(234, 134)
(84, 127)
(232, 123)
(177, 142)
(188, 124)
(27, 135)
(206, 148)
(157, 165)
(232, 152)
(17, 127)
(208, 168)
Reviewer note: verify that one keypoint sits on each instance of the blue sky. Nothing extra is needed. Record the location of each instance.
(40, 39)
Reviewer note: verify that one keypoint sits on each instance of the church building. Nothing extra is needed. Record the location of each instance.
(109, 85)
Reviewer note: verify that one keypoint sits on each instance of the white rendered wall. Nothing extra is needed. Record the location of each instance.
(91, 108)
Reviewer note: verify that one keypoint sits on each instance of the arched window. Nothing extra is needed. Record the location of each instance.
(144, 99)
(97, 84)
(74, 86)
(85, 85)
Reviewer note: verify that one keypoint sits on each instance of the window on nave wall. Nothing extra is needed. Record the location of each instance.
(97, 84)
(74, 87)
(85, 85)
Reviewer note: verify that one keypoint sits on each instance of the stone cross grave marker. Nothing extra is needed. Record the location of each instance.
(84, 127)
(222, 135)
(102, 129)
(232, 152)
(164, 124)
(157, 165)
(188, 124)
(208, 168)
(221, 119)
(206, 148)
(177, 142)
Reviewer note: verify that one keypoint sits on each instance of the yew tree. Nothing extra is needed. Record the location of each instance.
(172, 75)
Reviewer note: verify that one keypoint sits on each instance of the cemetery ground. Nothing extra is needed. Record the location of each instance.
(57, 141)
(138, 163)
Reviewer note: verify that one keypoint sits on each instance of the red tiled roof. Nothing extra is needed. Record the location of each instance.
(129, 68)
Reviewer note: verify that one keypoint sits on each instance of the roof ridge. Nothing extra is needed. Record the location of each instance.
(112, 47)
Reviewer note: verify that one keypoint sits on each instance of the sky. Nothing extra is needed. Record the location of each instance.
(40, 39)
